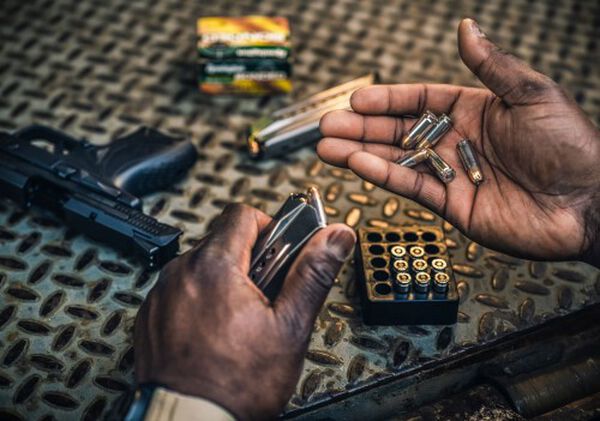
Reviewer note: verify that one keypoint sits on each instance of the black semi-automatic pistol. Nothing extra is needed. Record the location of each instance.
(94, 189)
(300, 217)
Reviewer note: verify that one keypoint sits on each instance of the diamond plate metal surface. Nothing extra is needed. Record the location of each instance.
(98, 69)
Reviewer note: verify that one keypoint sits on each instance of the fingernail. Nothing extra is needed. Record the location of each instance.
(476, 29)
(341, 243)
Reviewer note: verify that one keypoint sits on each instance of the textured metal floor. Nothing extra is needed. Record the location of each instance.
(101, 68)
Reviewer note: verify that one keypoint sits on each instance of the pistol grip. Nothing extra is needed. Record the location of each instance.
(146, 161)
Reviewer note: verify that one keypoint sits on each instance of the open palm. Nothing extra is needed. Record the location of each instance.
(538, 151)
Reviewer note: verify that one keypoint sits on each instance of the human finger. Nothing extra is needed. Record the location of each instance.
(235, 232)
(335, 151)
(365, 128)
(419, 186)
(311, 276)
(407, 99)
(508, 77)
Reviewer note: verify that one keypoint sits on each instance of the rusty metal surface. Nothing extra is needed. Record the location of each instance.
(98, 69)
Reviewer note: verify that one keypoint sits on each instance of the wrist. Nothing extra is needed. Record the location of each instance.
(154, 402)
(168, 404)
(238, 401)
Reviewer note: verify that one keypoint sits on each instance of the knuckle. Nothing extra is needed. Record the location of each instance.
(238, 212)
(189, 267)
(417, 186)
(233, 209)
(189, 284)
(208, 261)
(232, 212)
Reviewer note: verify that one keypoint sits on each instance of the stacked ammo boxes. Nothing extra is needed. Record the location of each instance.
(244, 55)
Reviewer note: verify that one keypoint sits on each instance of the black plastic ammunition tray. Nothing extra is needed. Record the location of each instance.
(405, 276)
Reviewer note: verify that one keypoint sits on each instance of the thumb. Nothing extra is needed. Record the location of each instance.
(505, 75)
(310, 278)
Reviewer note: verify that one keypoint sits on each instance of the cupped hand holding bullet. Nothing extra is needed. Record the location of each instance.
(536, 149)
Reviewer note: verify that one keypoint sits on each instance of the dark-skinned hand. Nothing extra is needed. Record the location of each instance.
(206, 330)
(539, 152)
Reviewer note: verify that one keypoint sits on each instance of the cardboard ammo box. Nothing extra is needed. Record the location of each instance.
(244, 55)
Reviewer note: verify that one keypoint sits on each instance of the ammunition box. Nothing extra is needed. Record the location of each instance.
(412, 288)
(244, 55)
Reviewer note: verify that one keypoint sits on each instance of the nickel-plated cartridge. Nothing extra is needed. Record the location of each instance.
(419, 265)
(398, 251)
(440, 167)
(433, 136)
(422, 282)
(290, 128)
(417, 251)
(438, 264)
(470, 162)
(421, 127)
(400, 265)
(402, 282)
(440, 282)
(413, 158)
